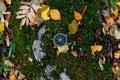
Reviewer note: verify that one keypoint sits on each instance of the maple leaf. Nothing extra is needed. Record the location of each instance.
(63, 49)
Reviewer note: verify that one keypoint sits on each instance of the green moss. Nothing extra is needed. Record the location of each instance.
(78, 68)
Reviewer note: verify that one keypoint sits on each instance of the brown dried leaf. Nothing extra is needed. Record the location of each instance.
(74, 53)
(22, 22)
(100, 65)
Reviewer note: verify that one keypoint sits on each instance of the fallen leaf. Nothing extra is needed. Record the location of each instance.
(117, 54)
(74, 53)
(84, 10)
(22, 22)
(12, 71)
(105, 29)
(6, 23)
(105, 13)
(110, 21)
(2, 6)
(20, 16)
(20, 78)
(114, 69)
(73, 27)
(115, 12)
(16, 72)
(39, 11)
(55, 14)
(118, 20)
(8, 63)
(30, 59)
(96, 48)
(118, 3)
(117, 34)
(77, 15)
(42, 1)
(63, 49)
(112, 30)
(24, 7)
(117, 68)
(27, 12)
(44, 13)
(8, 1)
(12, 77)
(103, 60)
(100, 65)
(2, 28)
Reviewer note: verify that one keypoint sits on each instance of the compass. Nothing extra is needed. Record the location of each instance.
(60, 39)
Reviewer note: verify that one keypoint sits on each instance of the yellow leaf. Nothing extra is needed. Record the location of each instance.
(2, 28)
(12, 77)
(77, 15)
(55, 14)
(117, 55)
(96, 48)
(63, 49)
(44, 14)
(115, 12)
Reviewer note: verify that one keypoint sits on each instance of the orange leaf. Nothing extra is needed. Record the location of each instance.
(117, 55)
(8, 1)
(12, 71)
(110, 21)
